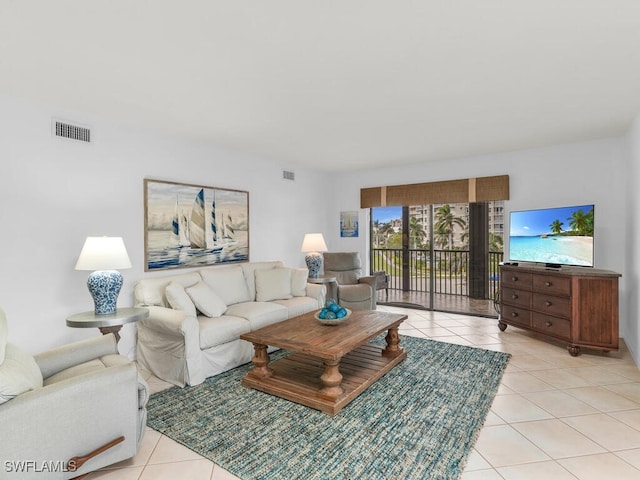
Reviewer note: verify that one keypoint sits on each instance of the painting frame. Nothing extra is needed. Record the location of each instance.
(188, 225)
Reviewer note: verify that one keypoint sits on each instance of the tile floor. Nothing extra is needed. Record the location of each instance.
(555, 416)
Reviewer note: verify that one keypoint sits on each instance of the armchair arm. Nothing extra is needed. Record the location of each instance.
(373, 281)
(370, 279)
(61, 358)
(169, 346)
(175, 323)
(317, 291)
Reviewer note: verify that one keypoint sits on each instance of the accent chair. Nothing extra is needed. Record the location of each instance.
(354, 290)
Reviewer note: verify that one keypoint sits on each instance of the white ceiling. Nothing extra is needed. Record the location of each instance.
(335, 84)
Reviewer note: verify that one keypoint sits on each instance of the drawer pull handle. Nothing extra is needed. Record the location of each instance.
(547, 303)
(514, 314)
(547, 284)
(549, 324)
(514, 279)
(514, 296)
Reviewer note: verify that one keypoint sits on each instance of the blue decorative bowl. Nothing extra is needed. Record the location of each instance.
(332, 321)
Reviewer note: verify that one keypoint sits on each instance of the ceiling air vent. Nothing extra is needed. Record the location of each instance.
(288, 175)
(62, 129)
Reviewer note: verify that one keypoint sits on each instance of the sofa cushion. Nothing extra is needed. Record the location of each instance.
(299, 278)
(224, 329)
(228, 282)
(178, 298)
(299, 305)
(206, 300)
(249, 270)
(19, 373)
(151, 291)
(273, 284)
(259, 314)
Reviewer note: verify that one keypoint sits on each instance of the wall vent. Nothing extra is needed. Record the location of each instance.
(288, 175)
(63, 129)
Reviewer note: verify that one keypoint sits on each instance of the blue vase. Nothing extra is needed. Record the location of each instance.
(314, 262)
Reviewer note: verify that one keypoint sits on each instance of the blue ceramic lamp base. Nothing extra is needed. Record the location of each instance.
(104, 286)
(314, 262)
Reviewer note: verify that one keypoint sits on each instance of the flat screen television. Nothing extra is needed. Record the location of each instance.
(554, 236)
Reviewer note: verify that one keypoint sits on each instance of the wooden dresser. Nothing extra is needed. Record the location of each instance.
(577, 306)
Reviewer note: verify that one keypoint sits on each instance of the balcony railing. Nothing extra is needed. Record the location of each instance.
(447, 272)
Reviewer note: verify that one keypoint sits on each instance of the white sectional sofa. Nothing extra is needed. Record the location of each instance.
(196, 318)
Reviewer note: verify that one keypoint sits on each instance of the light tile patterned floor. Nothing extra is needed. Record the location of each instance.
(555, 416)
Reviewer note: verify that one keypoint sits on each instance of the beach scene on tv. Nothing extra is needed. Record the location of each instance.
(561, 236)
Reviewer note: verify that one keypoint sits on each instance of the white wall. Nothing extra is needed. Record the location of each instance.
(590, 172)
(56, 192)
(632, 256)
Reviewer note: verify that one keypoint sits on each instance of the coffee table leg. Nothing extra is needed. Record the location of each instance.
(393, 340)
(260, 361)
(331, 380)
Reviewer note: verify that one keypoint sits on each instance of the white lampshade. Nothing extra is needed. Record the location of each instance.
(103, 253)
(313, 242)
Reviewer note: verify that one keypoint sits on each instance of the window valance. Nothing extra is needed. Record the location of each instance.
(481, 189)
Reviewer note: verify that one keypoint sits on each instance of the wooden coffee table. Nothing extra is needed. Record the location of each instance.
(331, 364)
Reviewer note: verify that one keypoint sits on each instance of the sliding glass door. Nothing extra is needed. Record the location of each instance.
(439, 257)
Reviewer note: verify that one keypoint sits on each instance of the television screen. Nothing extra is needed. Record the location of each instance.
(554, 236)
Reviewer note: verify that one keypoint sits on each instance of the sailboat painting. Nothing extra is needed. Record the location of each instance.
(191, 225)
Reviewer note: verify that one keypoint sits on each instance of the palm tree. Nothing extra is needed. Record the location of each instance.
(556, 226)
(582, 223)
(446, 222)
(384, 230)
(589, 230)
(464, 238)
(376, 232)
(495, 242)
(441, 238)
(416, 232)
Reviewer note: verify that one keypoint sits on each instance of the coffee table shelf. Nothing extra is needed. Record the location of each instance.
(297, 377)
(331, 365)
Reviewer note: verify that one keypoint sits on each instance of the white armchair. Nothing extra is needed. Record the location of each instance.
(70, 410)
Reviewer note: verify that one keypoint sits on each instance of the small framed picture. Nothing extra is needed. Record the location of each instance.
(349, 224)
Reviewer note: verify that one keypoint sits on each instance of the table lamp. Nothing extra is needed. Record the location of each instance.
(104, 255)
(312, 244)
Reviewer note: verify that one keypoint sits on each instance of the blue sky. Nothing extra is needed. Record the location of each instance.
(536, 222)
(386, 214)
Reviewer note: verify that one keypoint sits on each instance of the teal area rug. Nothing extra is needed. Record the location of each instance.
(419, 421)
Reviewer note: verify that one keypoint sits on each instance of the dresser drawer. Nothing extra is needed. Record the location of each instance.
(516, 316)
(552, 305)
(558, 327)
(513, 278)
(552, 284)
(516, 297)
